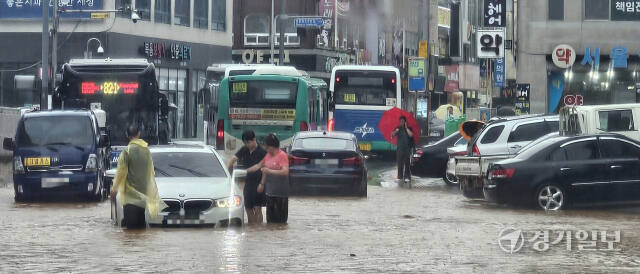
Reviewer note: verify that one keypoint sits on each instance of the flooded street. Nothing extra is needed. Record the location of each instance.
(430, 228)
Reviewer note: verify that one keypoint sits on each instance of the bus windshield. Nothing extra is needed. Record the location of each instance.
(258, 94)
(125, 97)
(370, 88)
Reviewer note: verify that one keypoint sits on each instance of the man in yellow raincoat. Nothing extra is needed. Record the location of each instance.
(135, 180)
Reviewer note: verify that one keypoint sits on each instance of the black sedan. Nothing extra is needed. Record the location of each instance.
(431, 160)
(561, 170)
(326, 162)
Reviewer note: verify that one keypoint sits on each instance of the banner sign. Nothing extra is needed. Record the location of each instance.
(625, 10)
(522, 100)
(33, 8)
(498, 72)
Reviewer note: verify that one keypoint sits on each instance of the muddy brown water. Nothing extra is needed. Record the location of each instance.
(427, 229)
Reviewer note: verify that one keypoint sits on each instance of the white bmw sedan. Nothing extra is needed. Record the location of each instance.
(196, 187)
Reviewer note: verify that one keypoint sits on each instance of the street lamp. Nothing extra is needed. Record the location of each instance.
(99, 50)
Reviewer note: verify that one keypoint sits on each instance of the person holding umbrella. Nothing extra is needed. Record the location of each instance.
(403, 151)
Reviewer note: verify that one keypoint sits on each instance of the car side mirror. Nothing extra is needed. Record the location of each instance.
(238, 174)
(104, 140)
(8, 144)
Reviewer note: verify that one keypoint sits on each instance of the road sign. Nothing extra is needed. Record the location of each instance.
(416, 73)
(307, 22)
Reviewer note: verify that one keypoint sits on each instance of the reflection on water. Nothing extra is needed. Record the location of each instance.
(392, 230)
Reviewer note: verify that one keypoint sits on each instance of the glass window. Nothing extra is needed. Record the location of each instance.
(365, 88)
(289, 26)
(584, 150)
(619, 149)
(187, 164)
(200, 16)
(173, 79)
(180, 80)
(556, 9)
(256, 23)
(553, 126)
(60, 130)
(461, 142)
(596, 9)
(143, 7)
(557, 155)
(528, 132)
(492, 135)
(163, 11)
(122, 4)
(182, 13)
(324, 143)
(251, 94)
(163, 79)
(219, 15)
(616, 120)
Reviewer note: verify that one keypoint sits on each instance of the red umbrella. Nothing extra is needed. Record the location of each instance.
(390, 120)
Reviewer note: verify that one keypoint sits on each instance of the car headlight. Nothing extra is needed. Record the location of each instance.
(18, 167)
(92, 163)
(233, 201)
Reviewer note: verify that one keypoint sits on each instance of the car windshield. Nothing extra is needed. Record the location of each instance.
(187, 164)
(324, 143)
(55, 130)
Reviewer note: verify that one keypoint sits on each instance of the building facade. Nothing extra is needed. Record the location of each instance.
(578, 52)
(315, 50)
(181, 37)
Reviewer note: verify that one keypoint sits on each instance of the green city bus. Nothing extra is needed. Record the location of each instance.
(278, 100)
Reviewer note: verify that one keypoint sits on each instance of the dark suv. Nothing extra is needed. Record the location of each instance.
(58, 152)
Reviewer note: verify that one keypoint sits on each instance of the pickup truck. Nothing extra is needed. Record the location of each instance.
(499, 139)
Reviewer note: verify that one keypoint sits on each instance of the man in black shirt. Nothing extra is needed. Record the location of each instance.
(249, 155)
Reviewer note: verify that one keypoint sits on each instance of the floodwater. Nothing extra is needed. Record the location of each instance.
(427, 229)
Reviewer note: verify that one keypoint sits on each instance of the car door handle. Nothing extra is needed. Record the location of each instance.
(614, 167)
(516, 147)
(565, 169)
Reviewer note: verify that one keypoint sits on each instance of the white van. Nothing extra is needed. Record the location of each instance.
(617, 118)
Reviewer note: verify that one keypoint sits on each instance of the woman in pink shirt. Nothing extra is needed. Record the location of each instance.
(275, 180)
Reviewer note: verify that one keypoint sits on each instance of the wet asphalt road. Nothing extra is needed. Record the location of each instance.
(430, 228)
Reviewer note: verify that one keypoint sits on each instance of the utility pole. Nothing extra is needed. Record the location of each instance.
(54, 44)
(45, 55)
(282, 17)
(272, 31)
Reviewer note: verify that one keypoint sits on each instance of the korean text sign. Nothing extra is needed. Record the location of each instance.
(522, 102)
(494, 13)
(625, 10)
(33, 8)
(490, 43)
(498, 72)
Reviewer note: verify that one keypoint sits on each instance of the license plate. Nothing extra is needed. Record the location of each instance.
(173, 220)
(325, 162)
(365, 146)
(37, 161)
(54, 182)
